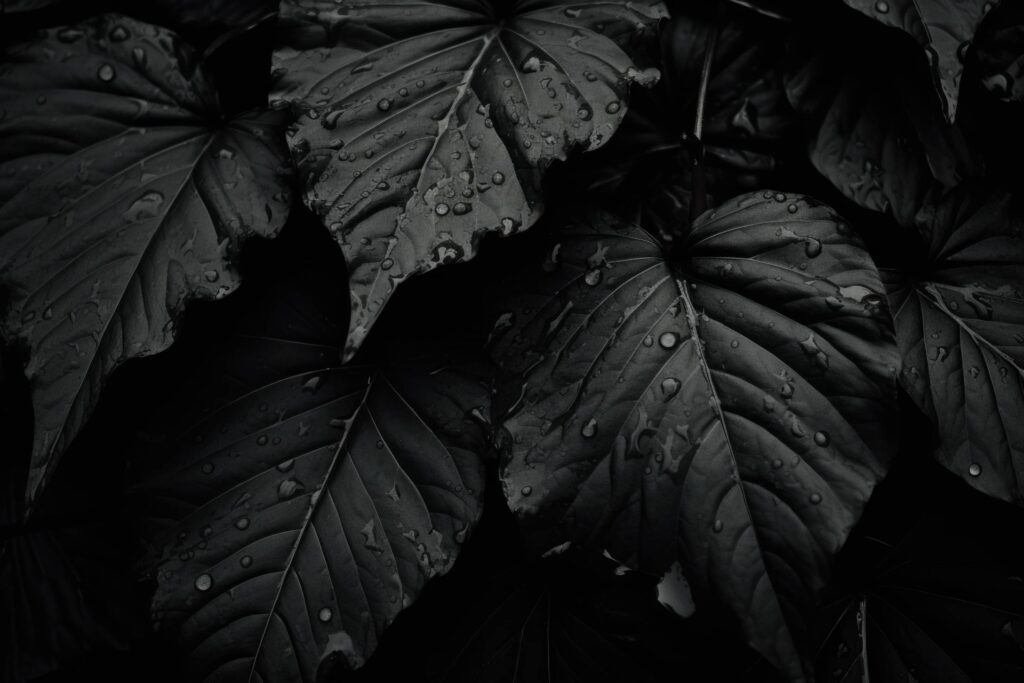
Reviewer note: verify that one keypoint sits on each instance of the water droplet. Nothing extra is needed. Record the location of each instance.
(106, 73)
(384, 104)
(289, 488)
(325, 615)
(589, 429)
(530, 65)
(593, 277)
(242, 523)
(786, 390)
(670, 387)
(246, 561)
(207, 468)
(211, 275)
(119, 34)
(498, 178)
(526, 490)
(668, 340)
(648, 341)
(974, 470)
(735, 344)
(881, 7)
(441, 209)
(572, 12)
(776, 463)
(815, 498)
(822, 438)
(203, 582)
(812, 247)
(717, 526)
(140, 57)
(146, 206)
(461, 208)
(613, 107)
(69, 35)
(262, 439)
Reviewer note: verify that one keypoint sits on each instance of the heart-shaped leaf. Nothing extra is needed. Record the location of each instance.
(309, 508)
(960, 328)
(724, 409)
(943, 28)
(427, 124)
(123, 197)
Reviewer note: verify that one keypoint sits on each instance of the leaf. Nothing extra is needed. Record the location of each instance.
(944, 28)
(122, 198)
(724, 408)
(309, 507)
(872, 131)
(999, 46)
(746, 118)
(960, 328)
(426, 125)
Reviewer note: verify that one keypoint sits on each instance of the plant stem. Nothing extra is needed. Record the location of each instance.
(699, 199)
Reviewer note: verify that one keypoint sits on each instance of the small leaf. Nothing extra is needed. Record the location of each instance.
(122, 199)
(960, 328)
(297, 519)
(426, 125)
(725, 409)
(944, 29)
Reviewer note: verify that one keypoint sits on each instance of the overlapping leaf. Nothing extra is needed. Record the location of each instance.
(960, 327)
(874, 134)
(944, 28)
(999, 46)
(123, 197)
(427, 124)
(725, 409)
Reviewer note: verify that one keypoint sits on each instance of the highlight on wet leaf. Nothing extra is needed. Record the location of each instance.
(960, 327)
(724, 408)
(290, 524)
(424, 125)
(121, 197)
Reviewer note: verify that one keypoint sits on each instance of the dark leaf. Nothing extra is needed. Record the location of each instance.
(426, 125)
(874, 133)
(308, 504)
(960, 328)
(944, 29)
(725, 409)
(123, 197)
(746, 117)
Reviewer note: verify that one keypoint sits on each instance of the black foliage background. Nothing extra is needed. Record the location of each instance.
(944, 562)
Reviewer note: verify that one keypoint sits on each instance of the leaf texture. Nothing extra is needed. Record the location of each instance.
(944, 28)
(960, 327)
(724, 409)
(122, 197)
(302, 514)
(425, 125)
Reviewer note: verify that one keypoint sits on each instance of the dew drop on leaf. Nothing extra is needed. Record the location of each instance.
(203, 582)
(668, 340)
(589, 429)
(974, 470)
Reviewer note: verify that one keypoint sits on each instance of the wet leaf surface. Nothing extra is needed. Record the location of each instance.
(725, 407)
(424, 126)
(123, 197)
(960, 327)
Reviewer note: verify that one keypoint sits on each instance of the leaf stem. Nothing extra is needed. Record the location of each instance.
(699, 199)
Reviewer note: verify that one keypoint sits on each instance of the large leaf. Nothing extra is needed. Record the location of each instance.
(724, 409)
(123, 197)
(301, 515)
(427, 124)
(873, 133)
(944, 28)
(960, 327)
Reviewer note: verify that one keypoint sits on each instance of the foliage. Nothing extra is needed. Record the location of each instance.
(572, 341)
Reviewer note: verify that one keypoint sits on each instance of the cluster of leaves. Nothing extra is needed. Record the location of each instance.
(771, 269)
